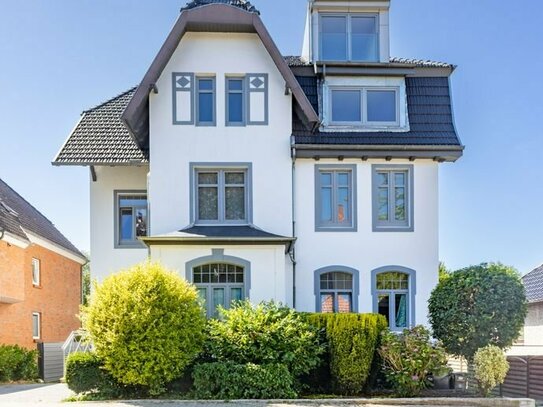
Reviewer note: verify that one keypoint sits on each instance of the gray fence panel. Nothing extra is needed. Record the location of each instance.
(51, 361)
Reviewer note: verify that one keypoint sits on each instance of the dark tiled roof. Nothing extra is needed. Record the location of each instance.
(429, 111)
(242, 4)
(229, 231)
(533, 282)
(101, 137)
(294, 60)
(16, 213)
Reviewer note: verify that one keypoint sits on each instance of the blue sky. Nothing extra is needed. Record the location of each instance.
(61, 57)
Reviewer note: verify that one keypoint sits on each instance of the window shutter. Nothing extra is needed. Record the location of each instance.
(183, 98)
(257, 99)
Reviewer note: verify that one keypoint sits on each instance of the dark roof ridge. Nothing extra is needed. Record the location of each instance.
(120, 95)
(242, 4)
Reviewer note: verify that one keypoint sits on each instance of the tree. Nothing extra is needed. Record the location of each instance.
(478, 306)
(444, 272)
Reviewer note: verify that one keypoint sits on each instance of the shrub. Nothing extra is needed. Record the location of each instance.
(491, 368)
(146, 324)
(264, 334)
(17, 363)
(478, 306)
(352, 341)
(410, 358)
(228, 380)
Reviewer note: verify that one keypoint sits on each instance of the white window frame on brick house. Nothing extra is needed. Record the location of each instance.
(36, 272)
(36, 325)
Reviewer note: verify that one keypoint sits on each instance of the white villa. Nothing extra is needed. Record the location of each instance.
(310, 180)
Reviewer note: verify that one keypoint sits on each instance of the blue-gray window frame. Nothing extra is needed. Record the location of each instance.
(250, 77)
(246, 167)
(334, 226)
(135, 244)
(349, 33)
(412, 294)
(393, 225)
(218, 256)
(197, 100)
(244, 100)
(175, 90)
(339, 269)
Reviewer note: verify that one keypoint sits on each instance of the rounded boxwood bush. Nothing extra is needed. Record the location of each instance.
(83, 373)
(146, 324)
(491, 368)
(478, 306)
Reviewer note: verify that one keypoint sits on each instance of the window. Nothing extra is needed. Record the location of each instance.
(36, 272)
(131, 218)
(364, 106)
(205, 104)
(219, 284)
(36, 325)
(335, 207)
(235, 101)
(393, 298)
(336, 289)
(349, 37)
(183, 98)
(392, 198)
(222, 195)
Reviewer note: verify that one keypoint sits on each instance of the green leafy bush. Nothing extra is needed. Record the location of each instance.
(83, 372)
(491, 368)
(352, 341)
(146, 324)
(228, 380)
(409, 358)
(478, 306)
(264, 334)
(17, 363)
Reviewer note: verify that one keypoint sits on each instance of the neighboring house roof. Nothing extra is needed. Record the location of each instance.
(101, 137)
(242, 4)
(18, 216)
(533, 282)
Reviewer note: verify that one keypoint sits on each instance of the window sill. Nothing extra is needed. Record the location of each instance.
(351, 128)
(400, 229)
(37, 286)
(135, 245)
(352, 229)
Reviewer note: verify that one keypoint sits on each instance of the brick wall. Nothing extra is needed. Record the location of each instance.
(57, 298)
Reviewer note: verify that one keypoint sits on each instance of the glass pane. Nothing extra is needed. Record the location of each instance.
(127, 222)
(235, 107)
(235, 203)
(344, 303)
(208, 203)
(336, 281)
(132, 201)
(343, 205)
(235, 84)
(327, 303)
(218, 299)
(202, 293)
(235, 178)
(326, 204)
(334, 38)
(205, 84)
(141, 222)
(363, 25)
(346, 106)
(326, 178)
(208, 178)
(214, 273)
(400, 311)
(383, 306)
(392, 281)
(197, 275)
(381, 105)
(399, 207)
(205, 107)
(35, 325)
(236, 294)
(399, 179)
(383, 204)
(382, 178)
(364, 39)
(343, 178)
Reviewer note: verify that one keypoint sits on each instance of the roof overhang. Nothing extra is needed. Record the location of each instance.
(441, 153)
(209, 18)
(47, 244)
(198, 240)
(379, 69)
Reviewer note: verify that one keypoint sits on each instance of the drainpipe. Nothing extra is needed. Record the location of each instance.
(2, 232)
(292, 252)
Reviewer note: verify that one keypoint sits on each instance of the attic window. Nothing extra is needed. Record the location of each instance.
(349, 37)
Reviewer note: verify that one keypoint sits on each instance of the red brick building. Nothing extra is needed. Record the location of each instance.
(40, 275)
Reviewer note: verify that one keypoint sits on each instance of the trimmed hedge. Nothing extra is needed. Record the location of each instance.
(17, 363)
(353, 340)
(228, 381)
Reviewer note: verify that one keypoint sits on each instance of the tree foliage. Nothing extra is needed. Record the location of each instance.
(491, 368)
(478, 306)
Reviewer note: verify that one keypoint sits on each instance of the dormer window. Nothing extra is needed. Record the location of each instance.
(349, 37)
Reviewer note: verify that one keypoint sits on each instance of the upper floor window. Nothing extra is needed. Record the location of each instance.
(235, 101)
(364, 106)
(335, 207)
(349, 37)
(205, 104)
(131, 218)
(36, 272)
(222, 195)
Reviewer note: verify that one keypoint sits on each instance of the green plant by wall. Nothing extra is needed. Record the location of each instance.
(491, 367)
(228, 380)
(264, 334)
(478, 306)
(146, 324)
(409, 358)
(17, 363)
(352, 341)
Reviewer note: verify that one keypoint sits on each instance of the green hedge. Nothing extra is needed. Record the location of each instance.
(352, 341)
(17, 363)
(228, 381)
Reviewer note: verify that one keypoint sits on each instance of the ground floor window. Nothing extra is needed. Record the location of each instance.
(336, 289)
(219, 284)
(393, 298)
(36, 325)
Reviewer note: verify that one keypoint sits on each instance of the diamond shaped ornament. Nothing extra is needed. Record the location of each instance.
(257, 82)
(183, 81)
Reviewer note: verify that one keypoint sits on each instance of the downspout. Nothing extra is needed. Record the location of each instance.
(2, 232)
(292, 252)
